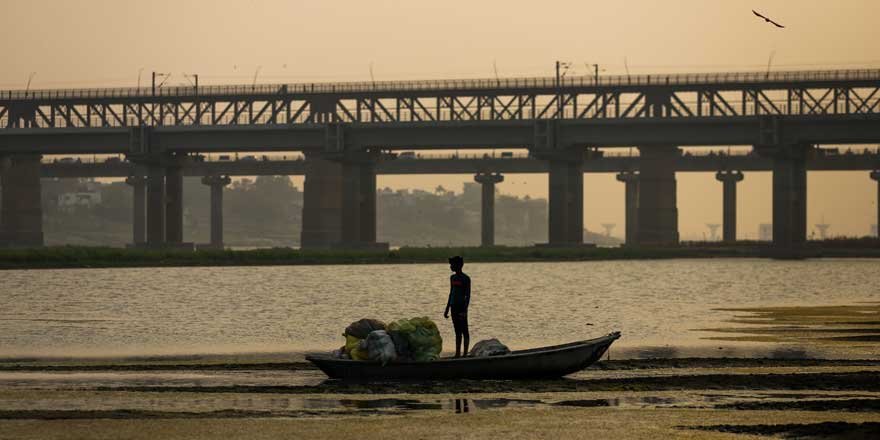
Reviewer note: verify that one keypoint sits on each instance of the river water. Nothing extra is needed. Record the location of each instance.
(154, 311)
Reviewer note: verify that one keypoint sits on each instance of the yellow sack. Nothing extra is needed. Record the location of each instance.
(352, 347)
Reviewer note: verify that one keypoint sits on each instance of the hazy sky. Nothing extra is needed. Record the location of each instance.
(96, 43)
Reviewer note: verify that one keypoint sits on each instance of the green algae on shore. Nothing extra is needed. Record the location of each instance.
(855, 327)
(106, 257)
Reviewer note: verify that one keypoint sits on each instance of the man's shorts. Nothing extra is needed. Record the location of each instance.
(459, 321)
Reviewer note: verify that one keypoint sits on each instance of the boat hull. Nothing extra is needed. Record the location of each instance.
(546, 362)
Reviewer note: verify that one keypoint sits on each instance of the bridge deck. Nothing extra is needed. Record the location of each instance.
(792, 93)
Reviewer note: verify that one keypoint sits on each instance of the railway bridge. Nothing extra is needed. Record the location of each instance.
(344, 131)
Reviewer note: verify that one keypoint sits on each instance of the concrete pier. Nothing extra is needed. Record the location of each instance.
(174, 204)
(339, 202)
(322, 203)
(21, 215)
(631, 180)
(155, 205)
(566, 213)
(789, 197)
(658, 209)
(139, 204)
(487, 182)
(729, 179)
(367, 192)
(217, 183)
(875, 175)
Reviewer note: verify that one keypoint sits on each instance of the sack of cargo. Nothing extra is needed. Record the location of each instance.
(489, 347)
(355, 349)
(422, 339)
(401, 346)
(380, 347)
(361, 328)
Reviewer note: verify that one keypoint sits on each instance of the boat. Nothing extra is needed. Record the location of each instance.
(536, 363)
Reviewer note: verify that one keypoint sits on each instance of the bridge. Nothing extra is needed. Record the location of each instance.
(346, 131)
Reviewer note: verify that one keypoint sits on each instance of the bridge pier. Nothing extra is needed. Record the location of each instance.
(216, 183)
(21, 216)
(174, 201)
(658, 210)
(339, 202)
(566, 210)
(155, 205)
(631, 180)
(367, 205)
(789, 197)
(487, 182)
(139, 187)
(875, 175)
(729, 179)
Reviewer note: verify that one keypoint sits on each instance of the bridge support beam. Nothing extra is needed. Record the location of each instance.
(155, 205)
(789, 197)
(174, 201)
(217, 183)
(339, 203)
(367, 202)
(566, 213)
(875, 175)
(21, 215)
(658, 208)
(729, 179)
(487, 206)
(631, 179)
(139, 199)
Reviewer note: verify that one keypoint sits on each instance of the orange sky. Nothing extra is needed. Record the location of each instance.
(92, 43)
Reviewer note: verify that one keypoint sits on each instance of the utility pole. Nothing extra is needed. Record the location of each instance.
(163, 76)
(30, 78)
(195, 80)
(596, 72)
(561, 68)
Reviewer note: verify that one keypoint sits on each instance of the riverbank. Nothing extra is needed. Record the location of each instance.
(106, 257)
(699, 398)
(278, 395)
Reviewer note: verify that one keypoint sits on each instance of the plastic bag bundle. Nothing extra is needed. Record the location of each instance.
(380, 347)
(354, 350)
(423, 341)
(362, 327)
(489, 347)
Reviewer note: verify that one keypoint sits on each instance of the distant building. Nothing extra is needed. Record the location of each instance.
(765, 232)
(874, 232)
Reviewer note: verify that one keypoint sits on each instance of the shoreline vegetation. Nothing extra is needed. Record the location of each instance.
(106, 257)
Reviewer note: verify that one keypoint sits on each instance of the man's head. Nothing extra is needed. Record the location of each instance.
(456, 263)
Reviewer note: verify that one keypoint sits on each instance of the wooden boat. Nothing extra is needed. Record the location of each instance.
(535, 363)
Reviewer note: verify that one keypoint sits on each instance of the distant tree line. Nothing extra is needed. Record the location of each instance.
(267, 211)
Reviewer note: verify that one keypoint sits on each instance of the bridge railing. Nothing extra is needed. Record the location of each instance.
(826, 152)
(451, 84)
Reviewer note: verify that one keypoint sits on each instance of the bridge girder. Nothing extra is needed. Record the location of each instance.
(518, 99)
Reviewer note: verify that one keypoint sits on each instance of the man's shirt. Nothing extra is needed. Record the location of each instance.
(459, 291)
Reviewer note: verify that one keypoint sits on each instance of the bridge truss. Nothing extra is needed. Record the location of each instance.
(838, 92)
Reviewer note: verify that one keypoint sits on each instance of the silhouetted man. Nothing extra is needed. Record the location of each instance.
(459, 299)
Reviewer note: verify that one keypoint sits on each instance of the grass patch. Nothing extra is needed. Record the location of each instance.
(86, 257)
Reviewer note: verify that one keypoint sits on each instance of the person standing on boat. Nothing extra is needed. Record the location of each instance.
(459, 300)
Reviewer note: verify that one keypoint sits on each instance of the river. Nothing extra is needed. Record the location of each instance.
(160, 311)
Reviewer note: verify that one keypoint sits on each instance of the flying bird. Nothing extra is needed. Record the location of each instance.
(768, 20)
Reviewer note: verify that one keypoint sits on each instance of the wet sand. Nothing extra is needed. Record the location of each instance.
(278, 396)
(514, 424)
